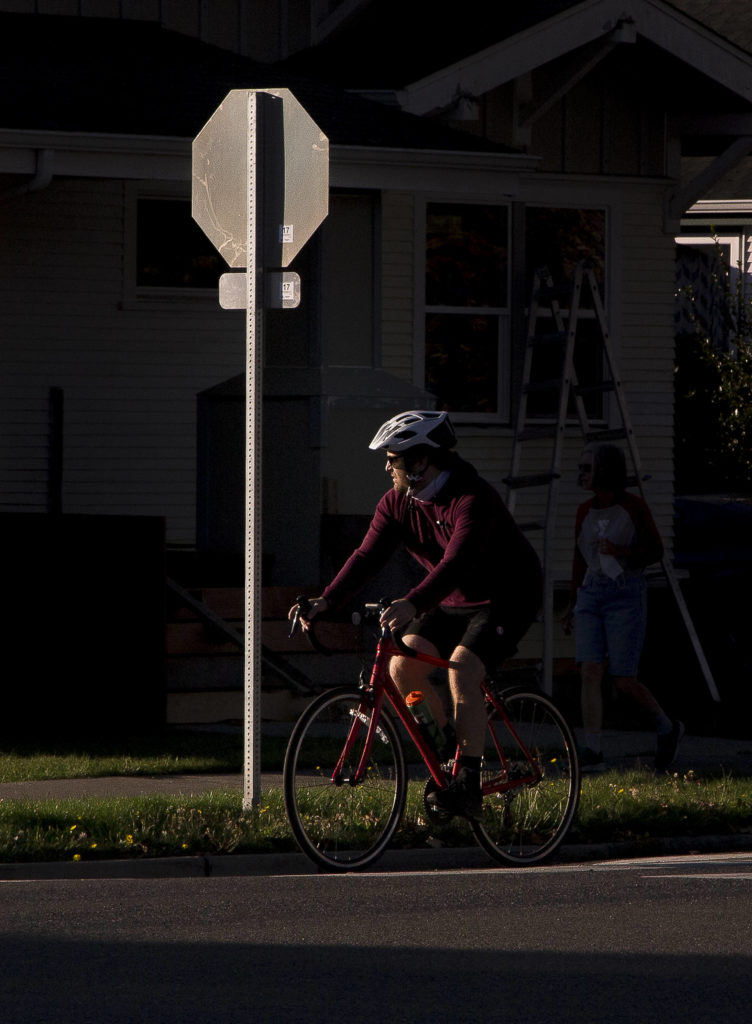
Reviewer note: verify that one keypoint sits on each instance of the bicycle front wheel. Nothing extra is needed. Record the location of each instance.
(340, 822)
(531, 780)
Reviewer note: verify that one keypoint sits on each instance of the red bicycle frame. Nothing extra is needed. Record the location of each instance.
(381, 686)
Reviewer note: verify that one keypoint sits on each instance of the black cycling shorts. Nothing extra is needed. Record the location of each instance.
(483, 629)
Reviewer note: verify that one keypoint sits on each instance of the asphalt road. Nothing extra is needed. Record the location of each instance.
(666, 940)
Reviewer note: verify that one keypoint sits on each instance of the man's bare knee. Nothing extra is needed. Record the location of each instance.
(468, 671)
(408, 672)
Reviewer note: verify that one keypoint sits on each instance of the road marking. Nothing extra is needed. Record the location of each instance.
(717, 875)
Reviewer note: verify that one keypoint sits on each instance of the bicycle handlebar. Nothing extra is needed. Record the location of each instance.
(303, 606)
(373, 612)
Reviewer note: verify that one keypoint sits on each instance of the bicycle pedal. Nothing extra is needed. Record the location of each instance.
(435, 814)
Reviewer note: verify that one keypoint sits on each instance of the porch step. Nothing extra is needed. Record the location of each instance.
(205, 665)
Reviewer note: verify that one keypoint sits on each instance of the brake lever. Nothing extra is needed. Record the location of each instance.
(303, 606)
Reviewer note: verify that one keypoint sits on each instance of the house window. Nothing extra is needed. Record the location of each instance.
(713, 282)
(559, 238)
(467, 309)
(171, 250)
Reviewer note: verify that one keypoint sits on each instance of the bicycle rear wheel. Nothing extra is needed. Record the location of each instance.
(339, 824)
(531, 780)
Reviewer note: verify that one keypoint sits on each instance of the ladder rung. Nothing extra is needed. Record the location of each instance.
(595, 389)
(538, 433)
(547, 339)
(541, 385)
(606, 435)
(548, 292)
(533, 480)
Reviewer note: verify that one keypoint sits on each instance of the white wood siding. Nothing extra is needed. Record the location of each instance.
(398, 283)
(646, 350)
(130, 372)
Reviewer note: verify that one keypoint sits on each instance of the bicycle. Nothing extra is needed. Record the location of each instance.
(345, 776)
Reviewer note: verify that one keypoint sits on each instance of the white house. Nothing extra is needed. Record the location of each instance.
(467, 147)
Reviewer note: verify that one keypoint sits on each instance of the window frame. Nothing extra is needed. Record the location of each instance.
(143, 296)
(503, 313)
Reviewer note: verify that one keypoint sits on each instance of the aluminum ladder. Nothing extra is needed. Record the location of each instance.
(553, 328)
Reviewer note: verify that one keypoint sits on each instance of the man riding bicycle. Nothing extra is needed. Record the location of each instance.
(482, 588)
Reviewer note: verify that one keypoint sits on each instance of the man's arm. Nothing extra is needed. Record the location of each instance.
(463, 556)
(379, 544)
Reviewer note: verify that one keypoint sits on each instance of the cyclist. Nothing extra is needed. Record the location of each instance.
(482, 587)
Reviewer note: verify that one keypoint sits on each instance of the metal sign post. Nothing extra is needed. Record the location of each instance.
(260, 190)
(253, 448)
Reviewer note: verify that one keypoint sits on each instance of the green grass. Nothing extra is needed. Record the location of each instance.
(170, 753)
(155, 826)
(636, 806)
(641, 806)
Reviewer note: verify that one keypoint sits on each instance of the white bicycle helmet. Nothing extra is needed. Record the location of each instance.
(419, 426)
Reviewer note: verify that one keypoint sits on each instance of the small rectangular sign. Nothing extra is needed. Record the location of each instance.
(281, 291)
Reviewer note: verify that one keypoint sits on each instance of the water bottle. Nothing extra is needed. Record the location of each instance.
(421, 712)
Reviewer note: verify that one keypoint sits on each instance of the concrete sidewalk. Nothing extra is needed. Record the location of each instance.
(622, 750)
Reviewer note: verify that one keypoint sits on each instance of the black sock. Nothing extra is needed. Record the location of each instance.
(472, 764)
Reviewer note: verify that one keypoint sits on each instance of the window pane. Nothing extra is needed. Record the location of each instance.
(588, 365)
(172, 250)
(466, 255)
(559, 238)
(462, 361)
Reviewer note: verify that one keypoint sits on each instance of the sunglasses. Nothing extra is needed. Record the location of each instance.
(395, 460)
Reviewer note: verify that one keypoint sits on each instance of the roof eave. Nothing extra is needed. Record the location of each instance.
(665, 26)
(168, 158)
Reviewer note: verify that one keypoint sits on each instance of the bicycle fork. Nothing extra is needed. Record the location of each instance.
(364, 715)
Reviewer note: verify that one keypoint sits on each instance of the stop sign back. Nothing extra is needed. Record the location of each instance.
(293, 166)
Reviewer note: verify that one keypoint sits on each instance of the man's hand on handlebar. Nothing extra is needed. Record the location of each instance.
(399, 614)
(304, 610)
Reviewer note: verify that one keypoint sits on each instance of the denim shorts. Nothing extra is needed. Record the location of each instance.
(610, 617)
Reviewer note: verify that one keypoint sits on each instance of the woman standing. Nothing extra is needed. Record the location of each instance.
(615, 540)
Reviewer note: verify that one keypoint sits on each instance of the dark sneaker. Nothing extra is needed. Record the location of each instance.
(667, 746)
(591, 761)
(461, 797)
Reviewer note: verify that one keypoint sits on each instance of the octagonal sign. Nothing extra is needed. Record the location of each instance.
(291, 173)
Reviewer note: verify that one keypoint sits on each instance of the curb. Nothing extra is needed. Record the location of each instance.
(416, 860)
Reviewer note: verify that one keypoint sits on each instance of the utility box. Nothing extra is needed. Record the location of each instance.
(83, 632)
